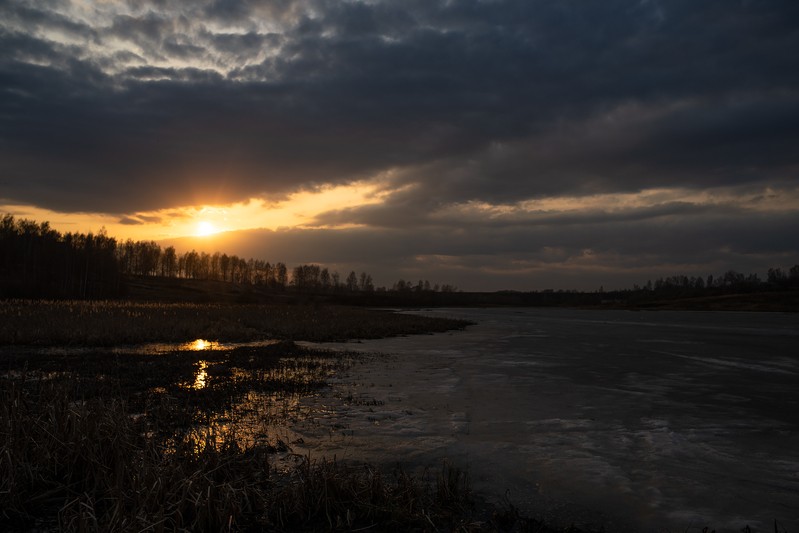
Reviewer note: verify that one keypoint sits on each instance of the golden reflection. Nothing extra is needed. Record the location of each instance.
(200, 345)
(201, 379)
(273, 400)
(258, 419)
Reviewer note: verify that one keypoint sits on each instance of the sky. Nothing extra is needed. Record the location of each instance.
(489, 144)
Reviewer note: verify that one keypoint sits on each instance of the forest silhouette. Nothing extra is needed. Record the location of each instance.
(37, 261)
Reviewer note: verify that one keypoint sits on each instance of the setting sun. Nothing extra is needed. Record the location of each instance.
(205, 228)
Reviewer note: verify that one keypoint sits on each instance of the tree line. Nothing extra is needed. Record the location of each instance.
(37, 261)
(731, 281)
(147, 258)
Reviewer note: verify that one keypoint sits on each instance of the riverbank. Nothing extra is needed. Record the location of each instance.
(110, 323)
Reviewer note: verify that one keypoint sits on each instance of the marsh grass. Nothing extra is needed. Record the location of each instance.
(88, 465)
(181, 390)
(108, 323)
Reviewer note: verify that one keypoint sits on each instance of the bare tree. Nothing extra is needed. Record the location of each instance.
(352, 282)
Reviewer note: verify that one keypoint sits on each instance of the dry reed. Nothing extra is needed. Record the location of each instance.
(107, 323)
(88, 465)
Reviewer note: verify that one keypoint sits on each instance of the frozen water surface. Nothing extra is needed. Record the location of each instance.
(636, 421)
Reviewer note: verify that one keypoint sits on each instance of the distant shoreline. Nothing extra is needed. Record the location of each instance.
(204, 291)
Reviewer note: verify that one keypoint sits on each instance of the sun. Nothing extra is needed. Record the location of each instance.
(205, 228)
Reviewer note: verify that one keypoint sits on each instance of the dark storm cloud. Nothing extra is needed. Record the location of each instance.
(698, 145)
(45, 17)
(495, 101)
(668, 234)
(243, 45)
(138, 220)
(409, 214)
(130, 221)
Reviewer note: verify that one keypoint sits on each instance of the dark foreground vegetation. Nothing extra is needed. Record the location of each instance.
(107, 323)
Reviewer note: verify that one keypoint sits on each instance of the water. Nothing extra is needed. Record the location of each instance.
(150, 348)
(636, 421)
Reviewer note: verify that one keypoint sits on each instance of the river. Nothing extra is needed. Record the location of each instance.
(635, 421)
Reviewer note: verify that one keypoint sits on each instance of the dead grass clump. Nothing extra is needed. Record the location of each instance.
(88, 465)
(332, 496)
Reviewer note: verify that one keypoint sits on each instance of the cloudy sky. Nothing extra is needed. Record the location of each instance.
(520, 144)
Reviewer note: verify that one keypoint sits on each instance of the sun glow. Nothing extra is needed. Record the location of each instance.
(205, 228)
(299, 210)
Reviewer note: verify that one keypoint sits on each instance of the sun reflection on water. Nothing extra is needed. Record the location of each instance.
(258, 419)
(201, 379)
(201, 344)
(251, 398)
